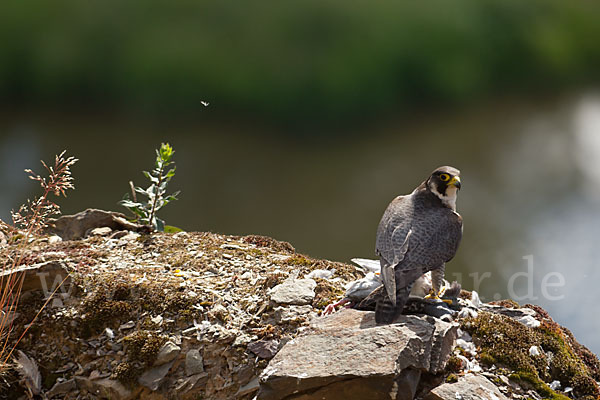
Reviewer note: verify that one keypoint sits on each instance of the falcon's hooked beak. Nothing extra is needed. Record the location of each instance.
(455, 182)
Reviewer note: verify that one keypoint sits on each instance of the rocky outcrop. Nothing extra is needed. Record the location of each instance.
(201, 315)
(349, 350)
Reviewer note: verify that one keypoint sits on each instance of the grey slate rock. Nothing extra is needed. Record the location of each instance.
(104, 388)
(62, 388)
(168, 352)
(294, 291)
(73, 227)
(193, 362)
(290, 314)
(468, 387)
(264, 348)
(154, 377)
(348, 353)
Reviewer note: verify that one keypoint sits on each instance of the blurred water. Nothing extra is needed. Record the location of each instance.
(531, 186)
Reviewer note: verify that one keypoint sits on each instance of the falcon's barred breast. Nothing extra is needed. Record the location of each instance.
(418, 233)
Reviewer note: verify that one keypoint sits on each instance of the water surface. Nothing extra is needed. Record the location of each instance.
(530, 197)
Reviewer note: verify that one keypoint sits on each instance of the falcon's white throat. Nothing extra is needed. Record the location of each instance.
(449, 199)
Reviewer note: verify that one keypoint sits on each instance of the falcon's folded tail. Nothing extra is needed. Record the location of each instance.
(385, 311)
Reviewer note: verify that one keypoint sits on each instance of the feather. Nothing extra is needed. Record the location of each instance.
(30, 374)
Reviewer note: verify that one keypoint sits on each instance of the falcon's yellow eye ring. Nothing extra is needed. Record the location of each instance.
(444, 177)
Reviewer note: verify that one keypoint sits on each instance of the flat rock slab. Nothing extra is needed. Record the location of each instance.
(294, 291)
(104, 388)
(43, 276)
(468, 387)
(168, 352)
(349, 347)
(77, 226)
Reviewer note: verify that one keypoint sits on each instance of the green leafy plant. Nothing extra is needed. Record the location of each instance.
(145, 211)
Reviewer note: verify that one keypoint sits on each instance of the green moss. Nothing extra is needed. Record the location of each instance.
(454, 364)
(452, 378)
(255, 252)
(532, 381)
(102, 312)
(299, 260)
(265, 241)
(325, 294)
(127, 373)
(463, 352)
(487, 359)
(143, 346)
(506, 303)
(505, 341)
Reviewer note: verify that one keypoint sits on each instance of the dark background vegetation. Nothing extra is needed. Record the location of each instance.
(299, 63)
(320, 112)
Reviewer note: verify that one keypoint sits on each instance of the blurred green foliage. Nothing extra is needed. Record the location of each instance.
(295, 60)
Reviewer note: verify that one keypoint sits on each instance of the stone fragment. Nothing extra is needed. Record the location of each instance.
(533, 395)
(168, 352)
(529, 321)
(294, 291)
(524, 315)
(125, 237)
(264, 348)
(346, 355)
(73, 227)
(248, 388)
(104, 388)
(43, 276)
(53, 239)
(62, 388)
(534, 351)
(189, 383)
(555, 385)
(127, 325)
(475, 301)
(407, 382)
(291, 314)
(154, 377)
(193, 362)
(468, 387)
(101, 231)
(321, 273)
(469, 347)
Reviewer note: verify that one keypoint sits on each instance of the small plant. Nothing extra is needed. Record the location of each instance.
(145, 211)
(33, 216)
(29, 221)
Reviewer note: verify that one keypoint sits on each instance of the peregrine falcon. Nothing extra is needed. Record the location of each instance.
(418, 233)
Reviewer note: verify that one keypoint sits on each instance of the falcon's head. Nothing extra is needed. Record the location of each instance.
(444, 182)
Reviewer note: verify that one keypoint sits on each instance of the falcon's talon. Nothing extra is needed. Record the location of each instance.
(432, 296)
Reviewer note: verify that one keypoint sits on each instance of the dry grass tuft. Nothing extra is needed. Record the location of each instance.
(28, 222)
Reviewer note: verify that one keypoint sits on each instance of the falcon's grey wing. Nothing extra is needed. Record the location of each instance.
(393, 236)
(444, 243)
(435, 238)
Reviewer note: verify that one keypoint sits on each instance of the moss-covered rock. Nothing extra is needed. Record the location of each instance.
(502, 340)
